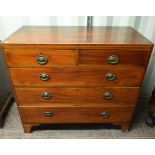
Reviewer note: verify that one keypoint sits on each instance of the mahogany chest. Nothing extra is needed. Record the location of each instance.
(76, 74)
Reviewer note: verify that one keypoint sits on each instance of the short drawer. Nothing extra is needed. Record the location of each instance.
(102, 95)
(77, 76)
(74, 115)
(39, 57)
(125, 58)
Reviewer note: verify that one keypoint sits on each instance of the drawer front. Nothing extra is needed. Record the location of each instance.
(77, 76)
(109, 95)
(125, 58)
(34, 57)
(74, 115)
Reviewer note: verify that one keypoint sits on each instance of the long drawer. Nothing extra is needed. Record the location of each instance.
(125, 58)
(109, 95)
(77, 76)
(75, 114)
(40, 57)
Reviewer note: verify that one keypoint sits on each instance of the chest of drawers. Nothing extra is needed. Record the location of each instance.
(76, 74)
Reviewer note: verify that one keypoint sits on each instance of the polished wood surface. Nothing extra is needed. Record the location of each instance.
(77, 67)
(123, 95)
(127, 58)
(74, 114)
(77, 35)
(27, 57)
(79, 104)
(77, 76)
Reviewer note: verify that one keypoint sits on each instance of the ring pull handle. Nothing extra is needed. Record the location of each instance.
(107, 95)
(48, 114)
(110, 76)
(44, 76)
(113, 59)
(105, 114)
(41, 59)
(46, 95)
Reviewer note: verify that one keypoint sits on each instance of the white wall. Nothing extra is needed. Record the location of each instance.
(114, 20)
(145, 25)
(9, 24)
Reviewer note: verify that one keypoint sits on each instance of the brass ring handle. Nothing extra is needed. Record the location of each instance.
(41, 59)
(107, 95)
(48, 114)
(105, 114)
(44, 76)
(110, 76)
(46, 95)
(113, 59)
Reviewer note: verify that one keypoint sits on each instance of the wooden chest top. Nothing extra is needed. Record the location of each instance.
(73, 36)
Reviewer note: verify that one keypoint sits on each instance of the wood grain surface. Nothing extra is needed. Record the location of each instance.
(27, 57)
(127, 58)
(74, 114)
(77, 76)
(77, 67)
(123, 95)
(77, 35)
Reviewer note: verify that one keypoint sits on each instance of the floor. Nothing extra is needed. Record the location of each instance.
(13, 129)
